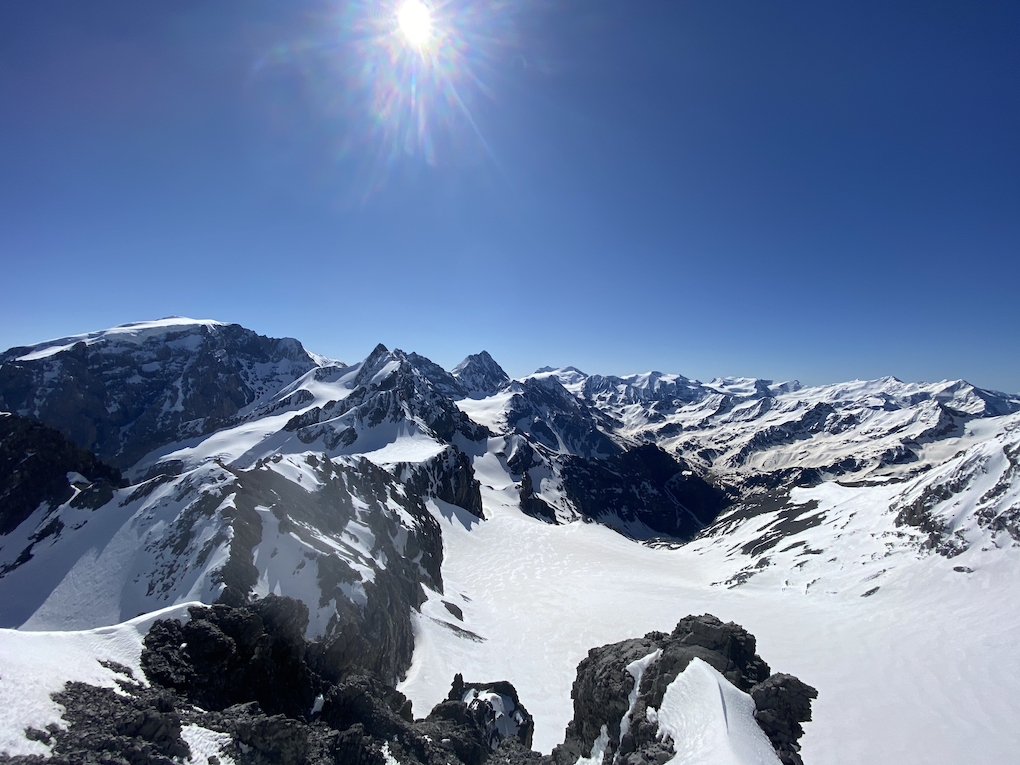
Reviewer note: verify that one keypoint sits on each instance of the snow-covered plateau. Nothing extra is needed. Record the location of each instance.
(437, 522)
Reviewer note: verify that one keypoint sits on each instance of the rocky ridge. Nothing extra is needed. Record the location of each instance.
(245, 679)
(619, 687)
(125, 391)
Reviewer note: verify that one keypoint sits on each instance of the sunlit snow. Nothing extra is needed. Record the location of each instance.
(926, 664)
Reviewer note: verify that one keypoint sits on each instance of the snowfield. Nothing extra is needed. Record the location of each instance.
(887, 579)
(927, 665)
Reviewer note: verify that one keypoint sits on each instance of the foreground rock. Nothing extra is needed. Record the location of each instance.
(620, 690)
(242, 684)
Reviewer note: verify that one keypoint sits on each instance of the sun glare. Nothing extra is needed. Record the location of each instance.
(415, 21)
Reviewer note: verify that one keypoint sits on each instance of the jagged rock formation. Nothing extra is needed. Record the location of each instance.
(753, 434)
(343, 535)
(480, 376)
(643, 491)
(125, 391)
(38, 464)
(619, 687)
(545, 412)
(248, 679)
(389, 387)
(447, 476)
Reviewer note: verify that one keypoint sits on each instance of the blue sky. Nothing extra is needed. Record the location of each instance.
(821, 191)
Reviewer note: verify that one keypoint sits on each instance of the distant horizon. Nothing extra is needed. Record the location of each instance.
(514, 374)
(796, 190)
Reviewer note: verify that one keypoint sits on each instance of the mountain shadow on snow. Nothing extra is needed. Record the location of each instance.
(642, 493)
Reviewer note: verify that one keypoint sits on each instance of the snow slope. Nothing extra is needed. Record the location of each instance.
(887, 580)
(925, 664)
(37, 664)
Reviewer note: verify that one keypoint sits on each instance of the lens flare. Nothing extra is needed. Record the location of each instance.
(415, 21)
(385, 84)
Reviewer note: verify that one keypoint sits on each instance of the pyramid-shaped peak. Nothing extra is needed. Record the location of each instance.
(480, 375)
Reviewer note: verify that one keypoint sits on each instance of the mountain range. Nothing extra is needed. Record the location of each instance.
(436, 522)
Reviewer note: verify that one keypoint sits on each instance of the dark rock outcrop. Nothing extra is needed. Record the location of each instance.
(35, 461)
(644, 492)
(480, 376)
(126, 391)
(448, 476)
(138, 726)
(248, 675)
(248, 672)
(224, 656)
(601, 692)
(783, 702)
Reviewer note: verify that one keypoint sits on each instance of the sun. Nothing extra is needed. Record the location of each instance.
(415, 22)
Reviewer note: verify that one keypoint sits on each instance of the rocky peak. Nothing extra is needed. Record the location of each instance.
(128, 390)
(619, 687)
(480, 375)
(376, 366)
(446, 383)
(650, 387)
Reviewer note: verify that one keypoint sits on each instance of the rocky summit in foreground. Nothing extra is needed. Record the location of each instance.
(439, 522)
(243, 685)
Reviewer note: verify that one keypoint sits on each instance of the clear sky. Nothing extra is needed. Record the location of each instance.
(788, 189)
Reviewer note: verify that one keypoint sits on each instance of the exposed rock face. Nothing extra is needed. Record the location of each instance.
(126, 391)
(344, 535)
(783, 703)
(138, 726)
(603, 701)
(480, 376)
(754, 434)
(390, 387)
(987, 477)
(35, 462)
(449, 477)
(279, 699)
(495, 707)
(549, 415)
(225, 656)
(248, 679)
(369, 616)
(642, 492)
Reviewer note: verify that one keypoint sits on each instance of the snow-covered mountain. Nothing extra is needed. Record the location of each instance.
(436, 522)
(123, 391)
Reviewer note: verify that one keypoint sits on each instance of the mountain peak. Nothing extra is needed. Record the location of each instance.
(566, 376)
(480, 375)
